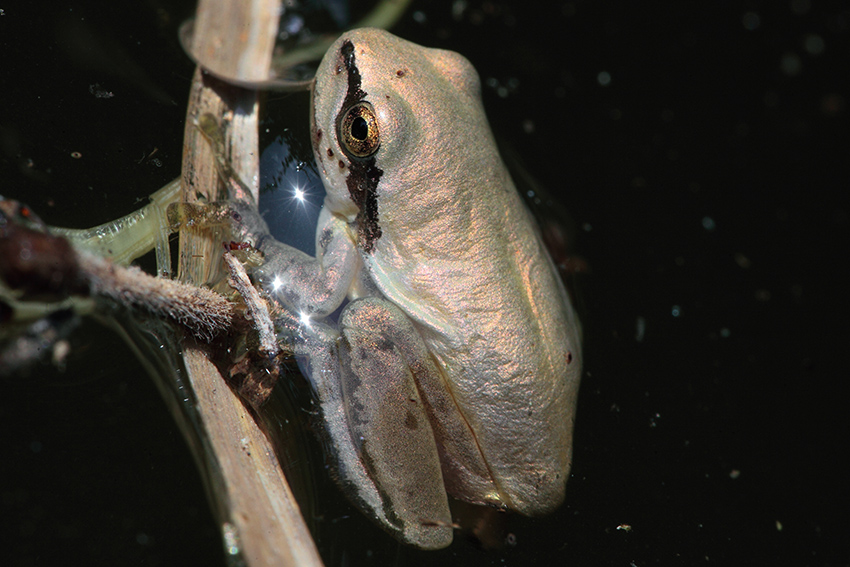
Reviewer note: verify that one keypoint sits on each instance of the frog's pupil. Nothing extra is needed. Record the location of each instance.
(360, 128)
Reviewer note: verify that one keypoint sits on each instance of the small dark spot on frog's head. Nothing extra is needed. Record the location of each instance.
(330, 153)
(569, 357)
(341, 164)
(410, 421)
(400, 73)
(339, 69)
(318, 134)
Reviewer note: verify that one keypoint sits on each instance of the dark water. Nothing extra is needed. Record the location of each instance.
(706, 178)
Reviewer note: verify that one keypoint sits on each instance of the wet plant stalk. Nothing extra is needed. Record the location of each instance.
(260, 520)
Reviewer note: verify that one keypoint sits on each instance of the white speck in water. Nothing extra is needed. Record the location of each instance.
(791, 64)
(640, 329)
(813, 44)
(724, 332)
(231, 538)
(142, 538)
(458, 9)
(293, 26)
(751, 21)
(801, 7)
(604, 78)
(708, 223)
(36, 446)
(653, 421)
(676, 311)
(742, 260)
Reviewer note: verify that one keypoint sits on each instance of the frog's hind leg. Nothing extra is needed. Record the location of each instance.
(387, 455)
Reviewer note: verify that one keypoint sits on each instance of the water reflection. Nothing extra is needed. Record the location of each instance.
(291, 194)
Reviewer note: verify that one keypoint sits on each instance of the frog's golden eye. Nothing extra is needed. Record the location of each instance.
(358, 131)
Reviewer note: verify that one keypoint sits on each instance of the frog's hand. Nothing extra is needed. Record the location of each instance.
(386, 456)
(306, 285)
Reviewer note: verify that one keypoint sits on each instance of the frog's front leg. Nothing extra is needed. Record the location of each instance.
(366, 377)
(311, 286)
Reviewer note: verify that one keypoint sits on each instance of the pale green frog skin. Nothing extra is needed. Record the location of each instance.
(454, 369)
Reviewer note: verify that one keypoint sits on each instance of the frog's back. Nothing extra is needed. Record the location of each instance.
(495, 316)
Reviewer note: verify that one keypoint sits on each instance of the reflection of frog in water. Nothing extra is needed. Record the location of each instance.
(454, 367)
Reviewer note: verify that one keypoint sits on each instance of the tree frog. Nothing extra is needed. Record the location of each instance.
(454, 366)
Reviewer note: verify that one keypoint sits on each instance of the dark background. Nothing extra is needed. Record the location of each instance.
(706, 181)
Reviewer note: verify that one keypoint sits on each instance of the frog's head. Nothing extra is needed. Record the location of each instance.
(389, 118)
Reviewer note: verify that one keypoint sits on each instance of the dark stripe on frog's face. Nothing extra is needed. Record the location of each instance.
(363, 175)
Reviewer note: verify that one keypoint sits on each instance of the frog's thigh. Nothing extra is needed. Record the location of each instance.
(381, 356)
